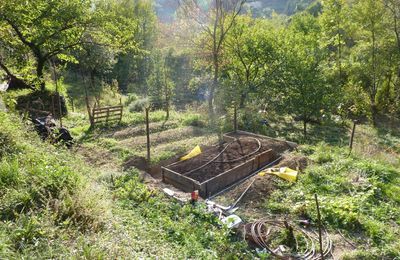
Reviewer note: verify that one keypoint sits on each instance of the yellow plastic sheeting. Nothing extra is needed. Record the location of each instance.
(193, 153)
(283, 172)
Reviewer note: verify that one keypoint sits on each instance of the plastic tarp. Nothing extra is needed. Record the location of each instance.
(193, 153)
(284, 172)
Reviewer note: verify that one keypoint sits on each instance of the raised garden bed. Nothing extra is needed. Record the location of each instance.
(220, 166)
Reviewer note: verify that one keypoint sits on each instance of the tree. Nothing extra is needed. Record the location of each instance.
(369, 56)
(33, 32)
(302, 87)
(334, 20)
(111, 36)
(215, 19)
(159, 83)
(133, 67)
(39, 30)
(250, 56)
(393, 6)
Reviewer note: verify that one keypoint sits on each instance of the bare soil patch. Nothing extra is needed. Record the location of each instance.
(230, 155)
(163, 137)
(138, 162)
(141, 129)
(294, 162)
(96, 156)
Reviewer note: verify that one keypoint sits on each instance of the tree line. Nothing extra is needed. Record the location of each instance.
(337, 57)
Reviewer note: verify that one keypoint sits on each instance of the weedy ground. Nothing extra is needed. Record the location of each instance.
(58, 203)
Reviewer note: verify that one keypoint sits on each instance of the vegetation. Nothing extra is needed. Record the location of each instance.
(52, 205)
(300, 70)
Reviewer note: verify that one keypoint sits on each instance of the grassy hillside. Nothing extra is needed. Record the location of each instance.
(358, 192)
(67, 203)
(54, 205)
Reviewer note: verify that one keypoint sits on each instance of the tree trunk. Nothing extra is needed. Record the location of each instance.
(147, 135)
(213, 86)
(374, 113)
(166, 92)
(167, 111)
(305, 128)
(87, 101)
(235, 127)
(39, 74)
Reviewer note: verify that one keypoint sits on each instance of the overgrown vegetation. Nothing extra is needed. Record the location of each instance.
(357, 196)
(302, 73)
(52, 205)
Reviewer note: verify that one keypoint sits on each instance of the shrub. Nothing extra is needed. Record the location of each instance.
(193, 120)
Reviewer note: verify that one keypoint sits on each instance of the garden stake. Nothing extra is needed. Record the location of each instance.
(352, 135)
(319, 228)
(147, 134)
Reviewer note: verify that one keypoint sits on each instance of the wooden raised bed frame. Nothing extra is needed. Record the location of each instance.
(225, 179)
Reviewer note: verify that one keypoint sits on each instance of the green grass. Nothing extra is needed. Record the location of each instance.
(180, 133)
(54, 205)
(42, 189)
(357, 195)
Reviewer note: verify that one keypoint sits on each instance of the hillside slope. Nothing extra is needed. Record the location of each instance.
(166, 9)
(54, 205)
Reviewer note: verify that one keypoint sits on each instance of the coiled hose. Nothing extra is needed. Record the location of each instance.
(263, 231)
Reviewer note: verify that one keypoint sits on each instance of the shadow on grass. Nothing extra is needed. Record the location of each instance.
(330, 132)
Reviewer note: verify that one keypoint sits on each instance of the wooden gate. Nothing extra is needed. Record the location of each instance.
(107, 114)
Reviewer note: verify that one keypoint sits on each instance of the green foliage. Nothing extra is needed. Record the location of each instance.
(353, 196)
(186, 225)
(193, 120)
(39, 29)
(34, 182)
(251, 57)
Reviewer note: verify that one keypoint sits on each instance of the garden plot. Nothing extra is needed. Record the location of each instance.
(223, 165)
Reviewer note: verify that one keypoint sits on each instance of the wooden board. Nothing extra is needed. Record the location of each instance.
(264, 158)
(225, 179)
(107, 114)
(179, 181)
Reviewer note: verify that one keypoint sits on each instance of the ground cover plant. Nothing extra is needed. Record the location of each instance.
(305, 71)
(53, 205)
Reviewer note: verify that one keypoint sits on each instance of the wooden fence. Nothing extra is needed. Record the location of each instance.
(107, 114)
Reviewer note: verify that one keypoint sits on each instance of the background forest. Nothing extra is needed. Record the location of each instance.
(310, 64)
(301, 70)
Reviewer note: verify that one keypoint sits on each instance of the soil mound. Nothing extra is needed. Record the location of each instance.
(226, 157)
(294, 162)
(137, 162)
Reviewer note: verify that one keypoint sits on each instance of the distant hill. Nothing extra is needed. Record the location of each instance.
(166, 8)
(288, 7)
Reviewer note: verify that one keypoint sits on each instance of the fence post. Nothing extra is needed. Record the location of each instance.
(235, 118)
(147, 134)
(352, 135)
(319, 227)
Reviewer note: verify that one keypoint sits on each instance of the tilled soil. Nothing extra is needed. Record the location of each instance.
(295, 162)
(234, 155)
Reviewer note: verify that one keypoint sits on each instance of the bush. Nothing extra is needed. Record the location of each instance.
(193, 120)
(130, 98)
